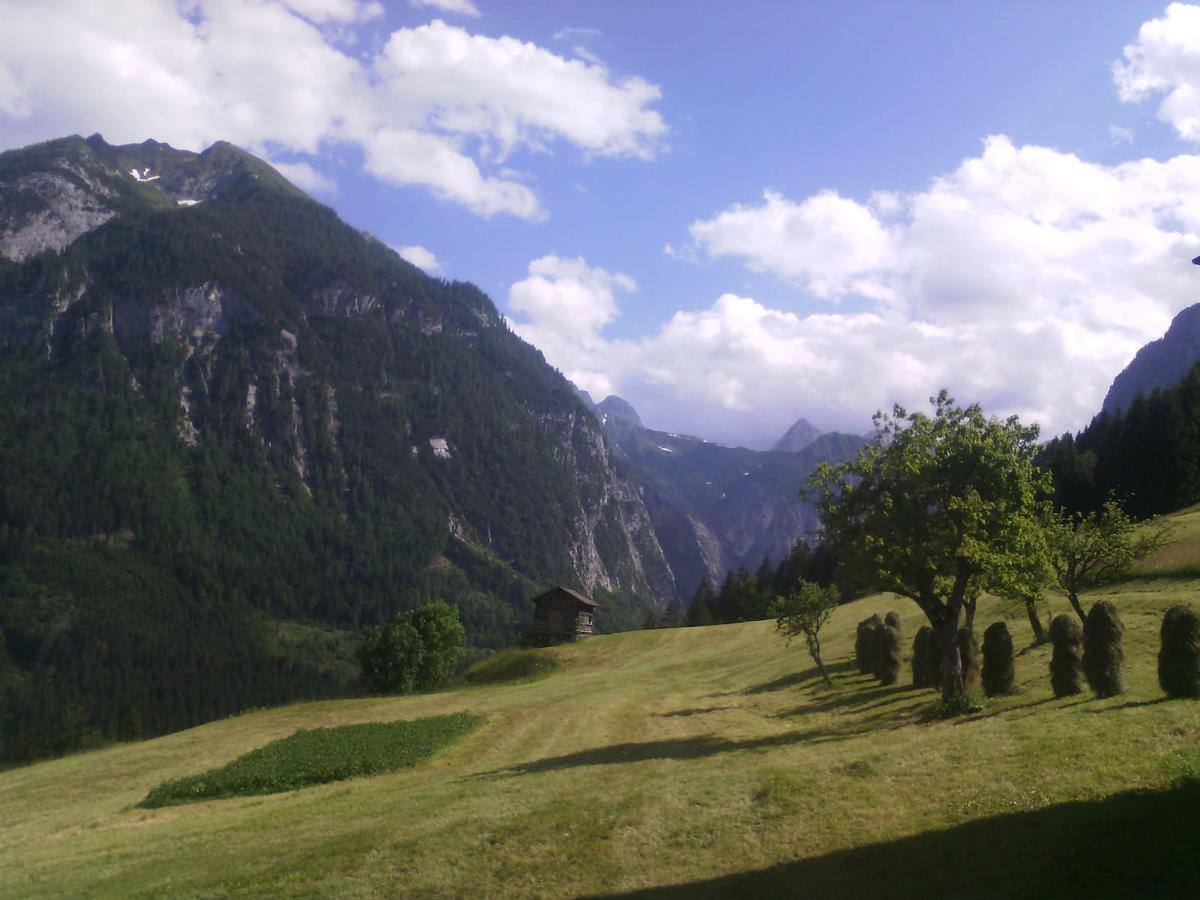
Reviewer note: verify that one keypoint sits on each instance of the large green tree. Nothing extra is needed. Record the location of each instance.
(938, 509)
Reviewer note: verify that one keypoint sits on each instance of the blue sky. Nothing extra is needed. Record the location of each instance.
(961, 194)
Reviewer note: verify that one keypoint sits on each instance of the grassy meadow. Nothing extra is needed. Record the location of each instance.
(675, 762)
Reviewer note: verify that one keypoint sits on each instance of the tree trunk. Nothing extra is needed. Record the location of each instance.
(814, 650)
(952, 673)
(1039, 633)
(1074, 598)
(970, 605)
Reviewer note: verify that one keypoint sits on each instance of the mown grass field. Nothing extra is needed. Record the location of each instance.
(676, 762)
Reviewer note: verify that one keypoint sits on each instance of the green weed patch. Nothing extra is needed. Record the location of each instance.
(317, 756)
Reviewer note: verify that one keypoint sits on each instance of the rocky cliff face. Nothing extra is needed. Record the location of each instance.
(715, 508)
(1160, 363)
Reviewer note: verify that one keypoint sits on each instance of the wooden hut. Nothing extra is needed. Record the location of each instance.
(561, 615)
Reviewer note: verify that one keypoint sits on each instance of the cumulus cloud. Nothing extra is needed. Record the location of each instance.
(436, 106)
(824, 243)
(1025, 279)
(1119, 134)
(1165, 61)
(566, 303)
(421, 257)
(459, 7)
(306, 177)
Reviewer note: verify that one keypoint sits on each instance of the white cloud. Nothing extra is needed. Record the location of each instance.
(1165, 61)
(566, 303)
(436, 107)
(420, 257)
(461, 7)
(823, 243)
(1025, 279)
(1119, 134)
(306, 177)
(321, 11)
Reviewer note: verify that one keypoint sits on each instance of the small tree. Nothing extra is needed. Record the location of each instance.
(804, 611)
(939, 509)
(1179, 657)
(998, 673)
(1103, 653)
(389, 657)
(1090, 550)
(443, 639)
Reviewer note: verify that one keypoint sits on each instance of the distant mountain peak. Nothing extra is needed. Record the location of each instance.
(796, 438)
(614, 407)
(1160, 363)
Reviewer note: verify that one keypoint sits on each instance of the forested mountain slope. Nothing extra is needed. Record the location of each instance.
(1159, 364)
(221, 408)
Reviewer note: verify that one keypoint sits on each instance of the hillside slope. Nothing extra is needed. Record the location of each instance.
(711, 759)
(222, 408)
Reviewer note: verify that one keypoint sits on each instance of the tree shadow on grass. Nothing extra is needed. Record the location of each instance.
(1131, 704)
(673, 748)
(795, 678)
(699, 711)
(860, 700)
(1136, 844)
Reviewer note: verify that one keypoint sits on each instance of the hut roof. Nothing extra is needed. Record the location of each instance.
(559, 589)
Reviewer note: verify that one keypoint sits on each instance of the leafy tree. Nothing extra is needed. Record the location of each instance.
(442, 639)
(804, 611)
(938, 508)
(1092, 549)
(390, 656)
(417, 650)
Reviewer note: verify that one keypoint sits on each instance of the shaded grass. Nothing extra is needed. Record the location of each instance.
(513, 665)
(318, 756)
(1134, 844)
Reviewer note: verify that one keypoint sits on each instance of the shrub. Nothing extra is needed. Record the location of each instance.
(1066, 660)
(922, 649)
(997, 660)
(968, 652)
(892, 620)
(887, 654)
(1179, 657)
(1103, 654)
(864, 644)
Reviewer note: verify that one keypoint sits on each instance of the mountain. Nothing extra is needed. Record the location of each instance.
(796, 438)
(615, 409)
(717, 508)
(1160, 363)
(234, 430)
